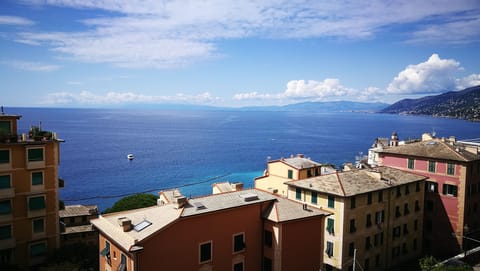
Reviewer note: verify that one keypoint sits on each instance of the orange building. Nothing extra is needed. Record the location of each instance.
(29, 183)
(240, 230)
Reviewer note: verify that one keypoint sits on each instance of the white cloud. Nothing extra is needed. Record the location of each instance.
(15, 20)
(468, 81)
(115, 98)
(311, 89)
(434, 75)
(165, 34)
(31, 66)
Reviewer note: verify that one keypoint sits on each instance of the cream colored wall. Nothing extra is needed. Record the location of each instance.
(277, 176)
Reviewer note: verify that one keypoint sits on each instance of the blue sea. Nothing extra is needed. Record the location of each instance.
(191, 149)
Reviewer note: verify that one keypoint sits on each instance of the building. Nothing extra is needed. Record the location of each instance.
(287, 169)
(377, 212)
(29, 184)
(75, 226)
(224, 187)
(239, 230)
(452, 196)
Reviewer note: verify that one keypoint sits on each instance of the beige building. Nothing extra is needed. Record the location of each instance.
(29, 183)
(376, 212)
(75, 226)
(287, 169)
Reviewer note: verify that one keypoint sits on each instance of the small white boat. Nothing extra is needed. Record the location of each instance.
(130, 156)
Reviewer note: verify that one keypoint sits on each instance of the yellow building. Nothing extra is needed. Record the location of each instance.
(29, 183)
(377, 215)
(287, 169)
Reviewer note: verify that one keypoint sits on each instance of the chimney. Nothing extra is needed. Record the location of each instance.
(125, 223)
(237, 186)
(179, 201)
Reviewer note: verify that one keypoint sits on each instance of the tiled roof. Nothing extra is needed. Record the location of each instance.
(158, 216)
(222, 201)
(286, 210)
(78, 210)
(170, 194)
(299, 162)
(435, 149)
(349, 183)
(78, 229)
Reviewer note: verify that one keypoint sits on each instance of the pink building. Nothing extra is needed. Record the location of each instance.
(452, 189)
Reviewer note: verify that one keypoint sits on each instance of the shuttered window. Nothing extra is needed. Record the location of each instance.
(5, 181)
(37, 178)
(4, 156)
(36, 203)
(35, 154)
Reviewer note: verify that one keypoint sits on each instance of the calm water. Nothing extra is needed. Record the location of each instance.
(175, 148)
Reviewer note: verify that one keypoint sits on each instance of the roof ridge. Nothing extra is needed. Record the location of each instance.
(450, 147)
(340, 183)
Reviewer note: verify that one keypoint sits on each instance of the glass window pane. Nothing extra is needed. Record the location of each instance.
(4, 156)
(38, 249)
(5, 181)
(35, 155)
(37, 178)
(5, 127)
(36, 203)
(38, 225)
(5, 207)
(5, 232)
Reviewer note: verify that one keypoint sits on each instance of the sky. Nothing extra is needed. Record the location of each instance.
(103, 53)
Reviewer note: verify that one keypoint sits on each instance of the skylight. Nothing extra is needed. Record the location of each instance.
(142, 225)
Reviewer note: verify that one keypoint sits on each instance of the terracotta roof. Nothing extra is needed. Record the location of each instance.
(78, 229)
(435, 149)
(359, 181)
(286, 210)
(78, 210)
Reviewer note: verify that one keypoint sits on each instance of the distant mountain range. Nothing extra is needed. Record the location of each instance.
(463, 104)
(339, 106)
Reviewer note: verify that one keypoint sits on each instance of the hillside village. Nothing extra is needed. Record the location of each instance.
(407, 199)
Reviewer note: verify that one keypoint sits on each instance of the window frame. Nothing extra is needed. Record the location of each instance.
(9, 228)
(329, 249)
(41, 175)
(35, 158)
(314, 197)
(450, 169)
(268, 238)
(30, 204)
(411, 163)
(9, 177)
(330, 228)
(10, 206)
(432, 166)
(202, 259)
(238, 247)
(331, 201)
(450, 190)
(298, 193)
(37, 220)
(31, 250)
(3, 161)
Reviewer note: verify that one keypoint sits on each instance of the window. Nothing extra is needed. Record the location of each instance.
(106, 251)
(380, 196)
(411, 163)
(405, 229)
(309, 173)
(314, 197)
(367, 264)
(205, 252)
(407, 189)
(298, 193)
(352, 226)
(417, 206)
(406, 211)
(330, 225)
(353, 202)
(415, 225)
(369, 221)
(5, 232)
(379, 216)
(5, 182)
(377, 260)
(399, 193)
(404, 249)
(351, 249)
(368, 244)
(238, 266)
(429, 205)
(397, 231)
(38, 225)
(37, 178)
(38, 249)
(414, 244)
(5, 207)
(331, 201)
(369, 198)
(238, 242)
(329, 250)
(4, 156)
(35, 154)
(290, 174)
(317, 172)
(5, 127)
(378, 239)
(417, 186)
(431, 166)
(451, 169)
(123, 263)
(397, 211)
(267, 264)
(428, 225)
(36, 203)
(268, 238)
(431, 187)
(449, 190)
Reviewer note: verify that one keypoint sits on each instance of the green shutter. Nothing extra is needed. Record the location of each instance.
(37, 178)
(5, 181)
(38, 225)
(331, 202)
(330, 225)
(4, 156)
(35, 154)
(36, 203)
(411, 163)
(290, 174)
(5, 207)
(5, 232)
(298, 193)
(314, 197)
(38, 249)
(5, 127)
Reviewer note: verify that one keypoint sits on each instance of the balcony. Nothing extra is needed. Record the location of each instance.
(7, 193)
(8, 243)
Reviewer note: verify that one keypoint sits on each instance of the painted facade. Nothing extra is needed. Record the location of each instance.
(452, 189)
(29, 184)
(225, 231)
(377, 212)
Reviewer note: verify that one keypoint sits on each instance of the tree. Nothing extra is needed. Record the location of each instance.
(133, 202)
(429, 263)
